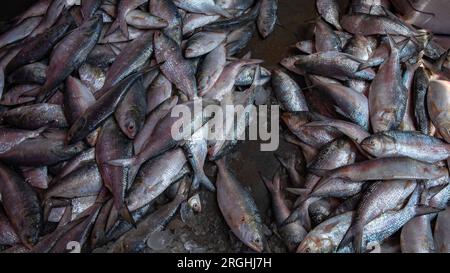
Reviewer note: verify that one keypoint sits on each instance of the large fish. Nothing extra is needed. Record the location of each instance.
(69, 54)
(99, 112)
(388, 95)
(113, 144)
(21, 205)
(239, 209)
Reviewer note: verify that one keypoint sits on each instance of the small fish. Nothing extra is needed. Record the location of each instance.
(267, 17)
(69, 54)
(329, 10)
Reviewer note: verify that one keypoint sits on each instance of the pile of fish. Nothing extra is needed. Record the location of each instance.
(86, 91)
(373, 126)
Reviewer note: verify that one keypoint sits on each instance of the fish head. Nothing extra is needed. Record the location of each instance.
(379, 145)
(29, 234)
(78, 126)
(252, 236)
(315, 244)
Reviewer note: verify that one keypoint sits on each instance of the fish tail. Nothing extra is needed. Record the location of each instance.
(124, 27)
(301, 214)
(125, 213)
(271, 187)
(424, 210)
(358, 240)
(294, 216)
(348, 237)
(115, 26)
(304, 194)
(202, 179)
(222, 11)
(286, 163)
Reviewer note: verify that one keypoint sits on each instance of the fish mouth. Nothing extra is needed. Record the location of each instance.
(256, 247)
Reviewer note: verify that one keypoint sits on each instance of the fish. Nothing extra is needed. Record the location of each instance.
(408, 144)
(77, 99)
(21, 205)
(130, 113)
(330, 12)
(124, 7)
(211, 68)
(332, 64)
(38, 47)
(21, 31)
(267, 17)
(438, 102)
(239, 209)
(11, 137)
(82, 182)
(386, 169)
(100, 111)
(292, 233)
(366, 25)
(113, 144)
(135, 239)
(35, 73)
(294, 167)
(7, 235)
(225, 83)
(208, 7)
(194, 21)
(420, 87)
(41, 151)
(196, 150)
(441, 237)
(89, 8)
(288, 92)
(352, 105)
(378, 198)
(69, 54)
(325, 39)
(175, 67)
(152, 121)
(202, 43)
(130, 60)
(154, 177)
(337, 154)
(35, 116)
(167, 10)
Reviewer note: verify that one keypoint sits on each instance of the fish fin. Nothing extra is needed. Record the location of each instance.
(294, 216)
(285, 162)
(297, 191)
(274, 185)
(217, 9)
(424, 210)
(361, 150)
(319, 172)
(442, 59)
(348, 237)
(303, 197)
(364, 66)
(124, 162)
(115, 26)
(125, 213)
(202, 179)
